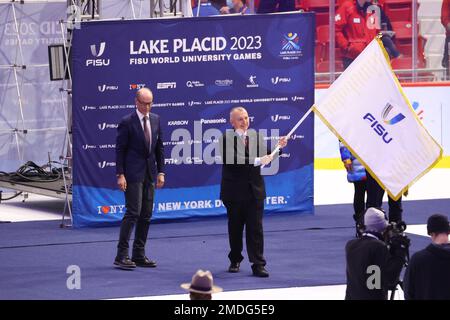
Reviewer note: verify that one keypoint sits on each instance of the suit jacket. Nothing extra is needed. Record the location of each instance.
(240, 178)
(133, 159)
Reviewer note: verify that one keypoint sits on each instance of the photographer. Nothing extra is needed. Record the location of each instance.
(373, 267)
(428, 274)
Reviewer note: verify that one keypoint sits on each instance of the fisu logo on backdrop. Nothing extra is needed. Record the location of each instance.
(88, 146)
(279, 80)
(105, 164)
(277, 118)
(103, 88)
(97, 54)
(104, 125)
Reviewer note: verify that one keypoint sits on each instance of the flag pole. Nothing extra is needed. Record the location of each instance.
(277, 149)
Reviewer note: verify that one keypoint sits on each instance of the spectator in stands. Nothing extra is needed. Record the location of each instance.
(240, 6)
(218, 3)
(356, 26)
(201, 286)
(206, 9)
(372, 267)
(428, 274)
(352, 31)
(271, 6)
(445, 19)
(356, 174)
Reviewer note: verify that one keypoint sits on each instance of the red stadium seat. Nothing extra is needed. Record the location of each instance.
(399, 13)
(323, 33)
(322, 18)
(403, 29)
(324, 66)
(392, 2)
(405, 48)
(405, 63)
(315, 4)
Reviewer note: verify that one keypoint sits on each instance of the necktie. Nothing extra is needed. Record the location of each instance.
(146, 132)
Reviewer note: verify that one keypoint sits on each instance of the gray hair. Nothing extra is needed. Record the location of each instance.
(240, 109)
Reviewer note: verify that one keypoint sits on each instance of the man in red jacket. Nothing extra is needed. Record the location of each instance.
(355, 29)
(445, 19)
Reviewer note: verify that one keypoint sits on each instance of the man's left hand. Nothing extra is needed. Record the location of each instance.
(282, 142)
(160, 181)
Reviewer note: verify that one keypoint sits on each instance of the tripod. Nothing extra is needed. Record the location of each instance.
(399, 282)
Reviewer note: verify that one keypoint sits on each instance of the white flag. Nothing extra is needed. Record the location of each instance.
(368, 111)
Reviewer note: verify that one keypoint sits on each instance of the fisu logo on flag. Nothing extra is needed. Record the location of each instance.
(387, 112)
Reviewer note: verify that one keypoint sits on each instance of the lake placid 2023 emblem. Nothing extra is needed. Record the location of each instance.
(290, 46)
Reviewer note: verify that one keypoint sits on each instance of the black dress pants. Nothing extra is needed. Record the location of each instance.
(375, 199)
(359, 199)
(139, 204)
(248, 213)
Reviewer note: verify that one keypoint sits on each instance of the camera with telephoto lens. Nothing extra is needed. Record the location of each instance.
(395, 238)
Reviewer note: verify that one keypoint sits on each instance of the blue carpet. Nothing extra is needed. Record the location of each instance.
(301, 250)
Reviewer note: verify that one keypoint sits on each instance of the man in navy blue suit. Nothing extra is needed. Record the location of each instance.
(140, 163)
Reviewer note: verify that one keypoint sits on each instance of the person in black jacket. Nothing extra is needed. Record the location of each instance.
(243, 190)
(372, 268)
(428, 274)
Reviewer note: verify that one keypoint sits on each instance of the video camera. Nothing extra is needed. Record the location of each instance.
(396, 239)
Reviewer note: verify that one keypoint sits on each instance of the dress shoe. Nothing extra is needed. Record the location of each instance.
(234, 267)
(145, 262)
(124, 263)
(260, 271)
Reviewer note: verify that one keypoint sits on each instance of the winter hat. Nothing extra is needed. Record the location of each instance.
(375, 220)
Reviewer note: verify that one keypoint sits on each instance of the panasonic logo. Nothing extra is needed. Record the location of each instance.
(213, 121)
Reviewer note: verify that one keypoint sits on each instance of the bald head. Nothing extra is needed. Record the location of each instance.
(144, 100)
(239, 118)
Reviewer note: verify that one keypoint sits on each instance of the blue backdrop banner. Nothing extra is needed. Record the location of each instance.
(198, 69)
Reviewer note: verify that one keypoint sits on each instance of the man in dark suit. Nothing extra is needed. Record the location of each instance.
(140, 163)
(243, 191)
